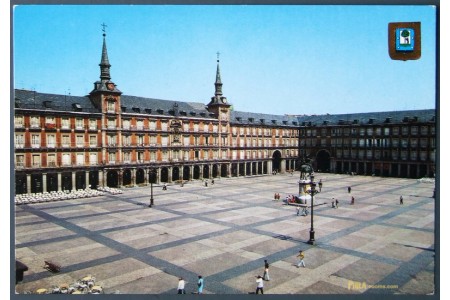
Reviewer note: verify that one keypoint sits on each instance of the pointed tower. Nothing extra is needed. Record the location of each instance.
(105, 88)
(219, 104)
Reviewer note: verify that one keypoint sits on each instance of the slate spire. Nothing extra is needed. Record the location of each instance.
(104, 63)
(218, 82)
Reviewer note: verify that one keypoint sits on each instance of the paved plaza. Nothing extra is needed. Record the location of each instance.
(226, 230)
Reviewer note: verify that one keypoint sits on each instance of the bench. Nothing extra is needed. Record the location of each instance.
(51, 266)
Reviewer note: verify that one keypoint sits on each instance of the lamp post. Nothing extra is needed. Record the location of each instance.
(312, 192)
(152, 173)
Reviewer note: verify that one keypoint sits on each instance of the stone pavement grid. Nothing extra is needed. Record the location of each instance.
(226, 230)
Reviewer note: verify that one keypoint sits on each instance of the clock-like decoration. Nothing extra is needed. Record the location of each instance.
(110, 86)
(224, 100)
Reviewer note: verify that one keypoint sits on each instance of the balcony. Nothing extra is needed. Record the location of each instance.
(35, 146)
(36, 165)
(19, 146)
(51, 164)
(20, 165)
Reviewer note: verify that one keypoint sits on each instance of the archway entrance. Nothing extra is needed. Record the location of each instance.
(126, 177)
(323, 161)
(175, 174)
(196, 172)
(80, 180)
(36, 183)
(223, 170)
(186, 173)
(21, 184)
(93, 179)
(52, 182)
(140, 176)
(215, 171)
(276, 161)
(164, 175)
(66, 181)
(112, 179)
(205, 171)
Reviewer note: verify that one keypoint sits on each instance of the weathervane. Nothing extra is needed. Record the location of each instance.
(103, 29)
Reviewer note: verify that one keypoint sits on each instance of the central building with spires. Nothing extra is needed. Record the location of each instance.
(110, 139)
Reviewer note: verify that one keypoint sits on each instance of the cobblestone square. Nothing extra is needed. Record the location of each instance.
(226, 230)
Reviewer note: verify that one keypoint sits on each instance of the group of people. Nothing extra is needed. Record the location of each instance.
(276, 196)
(206, 182)
(265, 277)
(182, 284)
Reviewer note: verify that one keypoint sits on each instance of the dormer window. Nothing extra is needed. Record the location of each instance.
(274, 121)
(160, 111)
(123, 108)
(239, 119)
(136, 109)
(148, 110)
(284, 122)
(76, 107)
(48, 104)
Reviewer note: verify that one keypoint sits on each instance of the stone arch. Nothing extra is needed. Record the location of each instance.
(276, 161)
(112, 178)
(164, 174)
(140, 176)
(323, 161)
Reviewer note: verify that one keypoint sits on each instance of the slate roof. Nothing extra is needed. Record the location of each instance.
(26, 99)
(249, 118)
(33, 100)
(423, 115)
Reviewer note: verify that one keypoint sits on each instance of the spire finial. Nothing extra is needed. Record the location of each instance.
(218, 54)
(103, 29)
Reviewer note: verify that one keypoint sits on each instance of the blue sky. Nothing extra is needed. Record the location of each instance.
(274, 59)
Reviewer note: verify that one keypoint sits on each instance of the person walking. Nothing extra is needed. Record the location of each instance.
(266, 271)
(200, 284)
(259, 285)
(206, 183)
(349, 189)
(353, 201)
(337, 203)
(320, 185)
(298, 210)
(301, 256)
(181, 285)
(401, 199)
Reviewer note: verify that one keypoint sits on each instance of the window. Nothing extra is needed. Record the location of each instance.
(36, 160)
(66, 159)
(140, 124)
(140, 140)
(394, 154)
(126, 140)
(18, 121)
(80, 141)
(424, 130)
(165, 155)
(395, 131)
(112, 140)
(92, 124)
(111, 123)
(413, 155)
(164, 126)
(65, 123)
(205, 127)
(51, 141)
(196, 140)
(152, 125)
(186, 155)
(112, 157)
(164, 140)
(152, 156)
(35, 141)
(126, 157)
(80, 159)
(404, 143)
(224, 154)
(50, 122)
(34, 122)
(19, 140)
(404, 155)
(423, 155)
(140, 157)
(20, 161)
(414, 130)
(369, 131)
(175, 155)
(93, 159)
(126, 124)
(93, 140)
(65, 141)
(186, 140)
(386, 131)
(195, 127)
(405, 130)
(152, 140)
(423, 142)
(214, 128)
(79, 123)
(110, 106)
